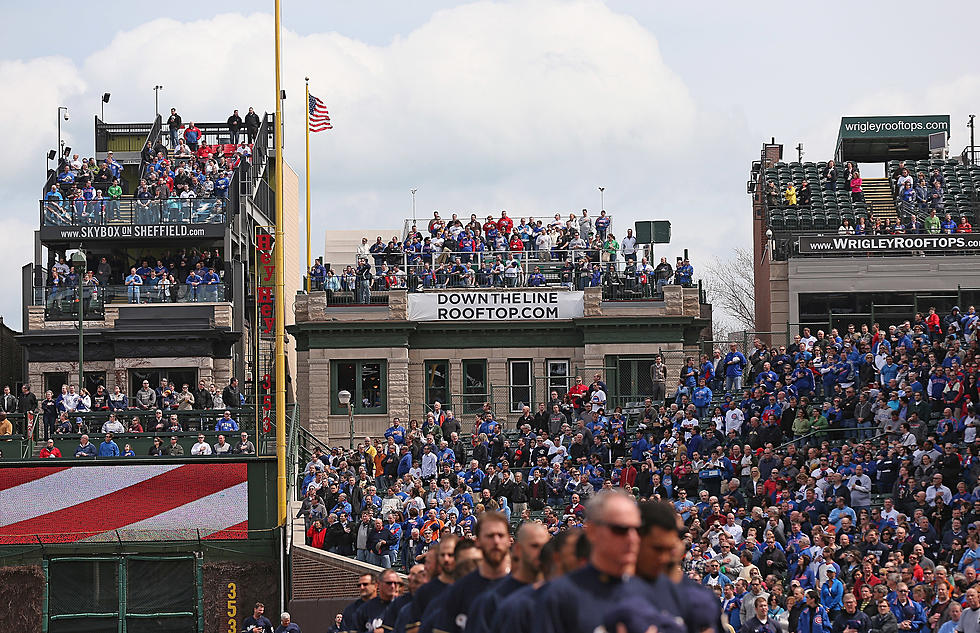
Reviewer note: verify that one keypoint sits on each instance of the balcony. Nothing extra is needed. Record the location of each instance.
(61, 304)
(203, 218)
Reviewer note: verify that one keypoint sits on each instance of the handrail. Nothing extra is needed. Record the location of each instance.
(133, 212)
(829, 431)
(151, 138)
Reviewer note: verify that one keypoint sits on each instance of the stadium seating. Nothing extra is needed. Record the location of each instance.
(828, 209)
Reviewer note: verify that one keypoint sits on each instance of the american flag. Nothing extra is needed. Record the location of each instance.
(319, 117)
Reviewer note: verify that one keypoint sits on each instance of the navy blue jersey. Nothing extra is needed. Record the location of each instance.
(348, 622)
(458, 599)
(579, 601)
(484, 609)
(369, 615)
(517, 612)
(390, 615)
(424, 597)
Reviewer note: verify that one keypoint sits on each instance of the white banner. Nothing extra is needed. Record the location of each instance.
(495, 305)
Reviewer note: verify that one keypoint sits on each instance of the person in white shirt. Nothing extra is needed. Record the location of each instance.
(971, 423)
(627, 247)
(808, 338)
(544, 244)
(734, 419)
(888, 511)
(430, 463)
(363, 249)
(598, 400)
(937, 489)
(112, 425)
(201, 448)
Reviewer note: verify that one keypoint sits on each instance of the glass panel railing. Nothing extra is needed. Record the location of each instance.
(130, 212)
(62, 303)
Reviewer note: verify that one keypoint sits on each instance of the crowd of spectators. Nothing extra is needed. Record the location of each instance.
(151, 409)
(186, 182)
(919, 198)
(577, 252)
(930, 224)
(181, 275)
(827, 486)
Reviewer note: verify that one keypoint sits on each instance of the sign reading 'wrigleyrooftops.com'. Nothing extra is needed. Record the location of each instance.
(832, 244)
(495, 305)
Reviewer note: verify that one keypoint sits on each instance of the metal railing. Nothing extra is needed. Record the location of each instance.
(130, 212)
(62, 303)
(620, 280)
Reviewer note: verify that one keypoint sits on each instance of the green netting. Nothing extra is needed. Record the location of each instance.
(82, 586)
(160, 586)
(87, 624)
(185, 624)
(159, 594)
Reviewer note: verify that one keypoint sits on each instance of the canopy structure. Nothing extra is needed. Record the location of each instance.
(878, 139)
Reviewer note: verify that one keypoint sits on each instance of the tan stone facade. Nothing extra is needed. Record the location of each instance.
(328, 333)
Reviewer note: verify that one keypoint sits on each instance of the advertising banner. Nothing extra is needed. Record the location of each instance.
(870, 127)
(64, 504)
(133, 231)
(495, 305)
(834, 244)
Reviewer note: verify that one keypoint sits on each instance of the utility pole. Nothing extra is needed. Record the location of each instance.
(799, 151)
(156, 98)
(973, 145)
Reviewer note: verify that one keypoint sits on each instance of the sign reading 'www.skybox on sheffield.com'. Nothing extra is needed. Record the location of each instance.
(495, 305)
(832, 244)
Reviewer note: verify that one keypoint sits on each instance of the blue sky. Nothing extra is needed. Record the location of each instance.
(526, 106)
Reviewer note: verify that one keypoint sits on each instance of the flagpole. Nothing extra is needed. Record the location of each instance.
(280, 293)
(309, 263)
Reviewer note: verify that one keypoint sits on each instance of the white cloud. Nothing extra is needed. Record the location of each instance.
(521, 105)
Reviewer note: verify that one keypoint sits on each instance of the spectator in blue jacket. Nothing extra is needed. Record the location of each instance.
(226, 424)
(702, 398)
(832, 594)
(405, 463)
(86, 448)
(909, 613)
(813, 617)
(108, 448)
(734, 363)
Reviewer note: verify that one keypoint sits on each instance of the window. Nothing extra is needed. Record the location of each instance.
(630, 380)
(53, 381)
(175, 377)
(366, 381)
(520, 384)
(557, 378)
(94, 379)
(437, 383)
(474, 385)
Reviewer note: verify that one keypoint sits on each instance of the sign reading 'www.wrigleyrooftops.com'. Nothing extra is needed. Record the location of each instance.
(832, 244)
(495, 305)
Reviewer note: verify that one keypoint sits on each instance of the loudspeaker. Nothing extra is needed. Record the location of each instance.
(652, 232)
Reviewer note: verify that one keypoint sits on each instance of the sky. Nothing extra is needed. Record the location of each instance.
(527, 106)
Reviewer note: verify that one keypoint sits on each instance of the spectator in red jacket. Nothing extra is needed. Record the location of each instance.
(316, 534)
(627, 477)
(50, 450)
(505, 225)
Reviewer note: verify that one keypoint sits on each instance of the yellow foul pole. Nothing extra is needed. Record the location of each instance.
(280, 294)
(309, 263)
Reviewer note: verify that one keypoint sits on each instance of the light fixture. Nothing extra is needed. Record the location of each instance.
(344, 397)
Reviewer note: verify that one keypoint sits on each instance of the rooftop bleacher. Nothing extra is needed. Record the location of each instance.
(828, 209)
